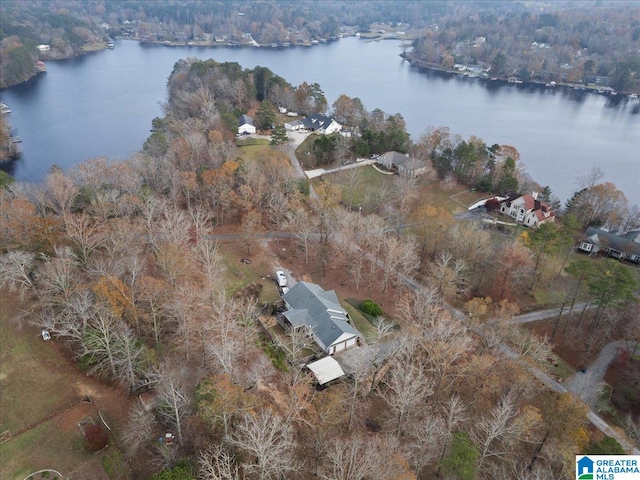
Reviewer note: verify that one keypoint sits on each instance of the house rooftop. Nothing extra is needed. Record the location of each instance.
(245, 120)
(320, 310)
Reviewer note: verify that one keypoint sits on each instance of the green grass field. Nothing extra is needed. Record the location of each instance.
(43, 447)
(32, 383)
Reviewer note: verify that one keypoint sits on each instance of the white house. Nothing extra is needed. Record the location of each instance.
(527, 209)
(43, 48)
(318, 312)
(321, 124)
(245, 125)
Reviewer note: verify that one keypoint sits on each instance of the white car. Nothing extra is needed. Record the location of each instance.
(281, 278)
(45, 335)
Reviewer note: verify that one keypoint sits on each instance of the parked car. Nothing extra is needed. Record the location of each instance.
(45, 335)
(281, 278)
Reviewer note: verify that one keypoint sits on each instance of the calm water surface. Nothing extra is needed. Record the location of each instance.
(102, 104)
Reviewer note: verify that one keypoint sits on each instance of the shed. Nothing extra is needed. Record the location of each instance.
(325, 370)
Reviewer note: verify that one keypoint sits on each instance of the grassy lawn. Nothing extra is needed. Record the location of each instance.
(238, 275)
(359, 321)
(251, 148)
(432, 194)
(358, 185)
(303, 148)
(43, 447)
(32, 384)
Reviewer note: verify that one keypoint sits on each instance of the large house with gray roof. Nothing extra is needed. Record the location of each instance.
(623, 246)
(403, 164)
(318, 312)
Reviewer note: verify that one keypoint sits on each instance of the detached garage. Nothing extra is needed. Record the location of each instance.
(245, 125)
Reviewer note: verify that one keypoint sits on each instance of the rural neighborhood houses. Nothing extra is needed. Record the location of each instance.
(245, 125)
(527, 210)
(623, 246)
(318, 312)
(403, 164)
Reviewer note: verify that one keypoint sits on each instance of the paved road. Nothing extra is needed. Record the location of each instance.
(543, 314)
(318, 172)
(295, 139)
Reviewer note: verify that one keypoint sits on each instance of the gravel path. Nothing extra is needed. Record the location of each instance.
(587, 384)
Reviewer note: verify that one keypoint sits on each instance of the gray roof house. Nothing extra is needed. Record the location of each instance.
(319, 312)
(393, 159)
(404, 164)
(623, 246)
(413, 167)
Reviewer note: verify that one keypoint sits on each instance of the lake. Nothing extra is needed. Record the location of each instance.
(102, 104)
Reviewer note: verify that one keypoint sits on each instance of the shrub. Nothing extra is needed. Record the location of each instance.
(371, 308)
(608, 446)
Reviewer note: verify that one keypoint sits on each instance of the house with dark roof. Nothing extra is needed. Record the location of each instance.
(321, 124)
(623, 246)
(245, 125)
(527, 210)
(318, 312)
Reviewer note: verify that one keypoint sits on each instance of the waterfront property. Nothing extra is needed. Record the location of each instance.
(623, 246)
(403, 164)
(321, 124)
(527, 210)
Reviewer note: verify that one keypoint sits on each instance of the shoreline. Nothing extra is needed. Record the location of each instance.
(577, 87)
(94, 47)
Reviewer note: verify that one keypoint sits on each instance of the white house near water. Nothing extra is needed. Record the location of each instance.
(321, 124)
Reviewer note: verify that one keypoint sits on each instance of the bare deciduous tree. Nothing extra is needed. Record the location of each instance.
(175, 400)
(139, 431)
(215, 463)
(16, 268)
(407, 388)
(269, 444)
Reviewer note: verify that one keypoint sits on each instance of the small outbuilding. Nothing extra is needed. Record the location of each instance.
(325, 370)
(245, 125)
